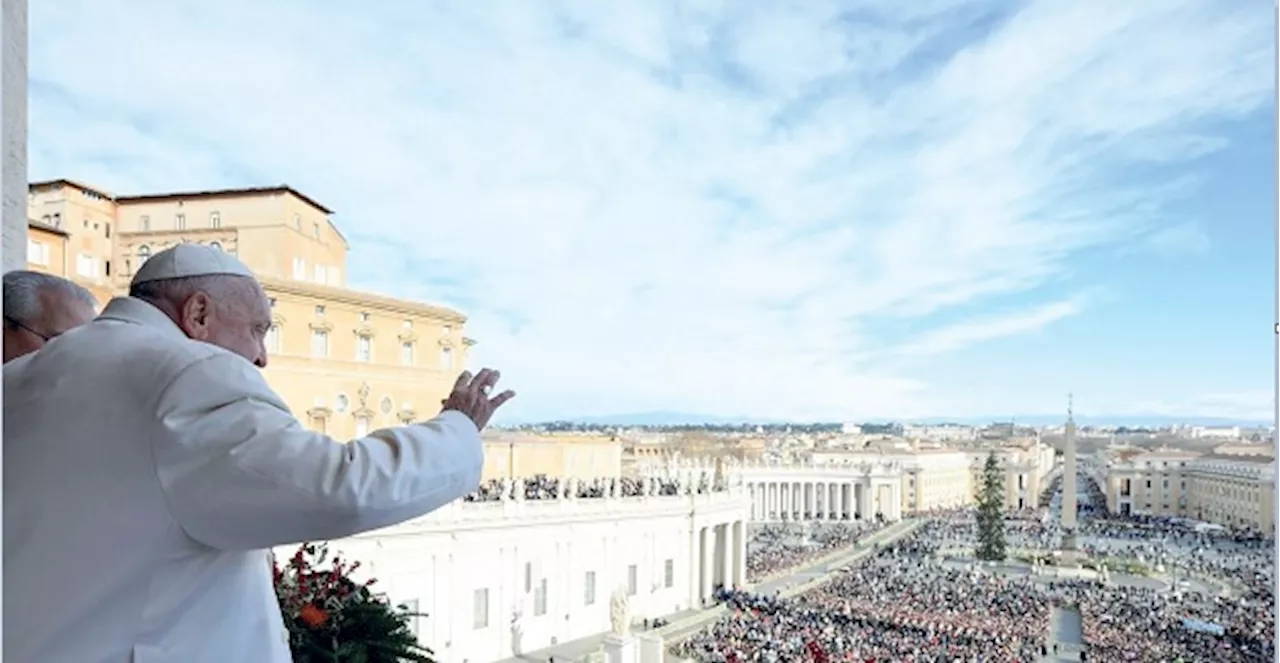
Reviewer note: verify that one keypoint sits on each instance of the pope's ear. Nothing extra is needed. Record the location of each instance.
(195, 315)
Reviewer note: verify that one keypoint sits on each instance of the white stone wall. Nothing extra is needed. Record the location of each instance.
(13, 136)
(507, 549)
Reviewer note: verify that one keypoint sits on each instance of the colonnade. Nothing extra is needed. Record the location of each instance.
(719, 559)
(801, 499)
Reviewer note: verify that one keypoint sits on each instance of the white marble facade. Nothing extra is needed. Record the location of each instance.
(497, 579)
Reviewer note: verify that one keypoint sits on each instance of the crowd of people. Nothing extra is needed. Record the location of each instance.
(896, 605)
(781, 547)
(904, 603)
(542, 487)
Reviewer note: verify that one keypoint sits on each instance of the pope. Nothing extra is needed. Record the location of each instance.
(149, 469)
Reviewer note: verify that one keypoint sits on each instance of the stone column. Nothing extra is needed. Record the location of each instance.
(708, 563)
(740, 555)
(13, 113)
(727, 555)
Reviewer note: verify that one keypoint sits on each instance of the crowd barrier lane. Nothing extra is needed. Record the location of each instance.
(673, 633)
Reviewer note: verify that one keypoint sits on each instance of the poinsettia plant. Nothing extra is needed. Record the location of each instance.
(331, 617)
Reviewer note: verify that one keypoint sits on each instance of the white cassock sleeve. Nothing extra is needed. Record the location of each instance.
(239, 472)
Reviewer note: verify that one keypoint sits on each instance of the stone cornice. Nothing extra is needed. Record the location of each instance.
(364, 300)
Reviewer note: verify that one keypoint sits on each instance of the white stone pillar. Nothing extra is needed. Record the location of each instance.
(740, 555)
(13, 114)
(708, 563)
(621, 649)
(651, 647)
(727, 555)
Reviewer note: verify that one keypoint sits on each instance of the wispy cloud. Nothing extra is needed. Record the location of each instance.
(660, 205)
(989, 328)
(1181, 239)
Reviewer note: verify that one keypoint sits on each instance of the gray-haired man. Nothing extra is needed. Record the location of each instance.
(39, 307)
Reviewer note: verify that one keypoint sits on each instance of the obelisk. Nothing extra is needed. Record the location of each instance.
(1068, 517)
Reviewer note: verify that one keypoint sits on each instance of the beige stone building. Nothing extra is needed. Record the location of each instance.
(1231, 489)
(1026, 464)
(512, 455)
(346, 361)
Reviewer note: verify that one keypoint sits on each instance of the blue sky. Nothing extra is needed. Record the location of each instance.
(817, 210)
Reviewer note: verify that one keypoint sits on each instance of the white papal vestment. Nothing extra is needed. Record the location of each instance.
(146, 476)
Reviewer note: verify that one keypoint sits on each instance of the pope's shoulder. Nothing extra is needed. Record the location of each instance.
(127, 351)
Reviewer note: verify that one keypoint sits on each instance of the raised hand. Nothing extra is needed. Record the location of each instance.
(470, 396)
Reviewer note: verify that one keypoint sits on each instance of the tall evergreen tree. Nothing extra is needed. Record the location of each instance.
(991, 512)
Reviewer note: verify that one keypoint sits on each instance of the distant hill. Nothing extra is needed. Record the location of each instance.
(665, 418)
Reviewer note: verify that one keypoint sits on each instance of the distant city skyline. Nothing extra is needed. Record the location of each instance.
(1032, 420)
(802, 212)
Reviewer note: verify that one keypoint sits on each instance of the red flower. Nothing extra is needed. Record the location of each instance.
(313, 616)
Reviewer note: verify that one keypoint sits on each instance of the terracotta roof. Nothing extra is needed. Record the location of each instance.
(48, 184)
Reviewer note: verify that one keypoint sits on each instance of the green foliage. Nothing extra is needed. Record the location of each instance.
(991, 545)
(334, 619)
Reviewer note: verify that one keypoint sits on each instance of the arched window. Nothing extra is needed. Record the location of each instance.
(216, 245)
(144, 252)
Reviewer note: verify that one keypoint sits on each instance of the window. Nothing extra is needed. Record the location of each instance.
(37, 253)
(320, 275)
(272, 301)
(273, 338)
(335, 276)
(669, 573)
(448, 329)
(315, 230)
(106, 227)
(589, 588)
(144, 223)
(217, 245)
(540, 598)
(144, 253)
(319, 343)
(364, 349)
(297, 221)
(57, 220)
(362, 426)
(480, 609)
(386, 405)
(299, 268)
(631, 580)
(406, 353)
(86, 265)
(215, 220)
(180, 221)
(364, 317)
(406, 325)
(528, 577)
(320, 310)
(341, 403)
(446, 358)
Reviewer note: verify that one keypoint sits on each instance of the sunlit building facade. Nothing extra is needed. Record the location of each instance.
(1233, 490)
(347, 362)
